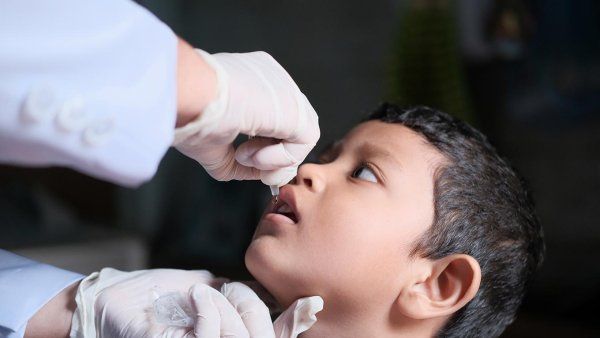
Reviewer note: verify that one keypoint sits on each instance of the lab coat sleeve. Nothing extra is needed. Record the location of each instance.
(89, 85)
(25, 286)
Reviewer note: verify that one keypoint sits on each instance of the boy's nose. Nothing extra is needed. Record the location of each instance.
(311, 176)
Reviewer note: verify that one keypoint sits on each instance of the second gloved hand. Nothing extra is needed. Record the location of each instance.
(114, 304)
(256, 97)
(297, 318)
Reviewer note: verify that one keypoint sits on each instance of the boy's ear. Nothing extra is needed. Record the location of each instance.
(445, 286)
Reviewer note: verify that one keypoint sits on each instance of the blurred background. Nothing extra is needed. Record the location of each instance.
(525, 72)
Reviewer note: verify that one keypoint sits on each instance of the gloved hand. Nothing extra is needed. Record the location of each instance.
(251, 308)
(113, 304)
(299, 317)
(256, 97)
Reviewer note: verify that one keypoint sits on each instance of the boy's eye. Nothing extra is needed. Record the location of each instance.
(363, 172)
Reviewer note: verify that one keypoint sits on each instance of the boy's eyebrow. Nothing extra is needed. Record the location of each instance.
(373, 150)
(366, 149)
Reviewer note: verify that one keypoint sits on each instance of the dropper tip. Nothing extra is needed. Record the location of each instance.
(275, 193)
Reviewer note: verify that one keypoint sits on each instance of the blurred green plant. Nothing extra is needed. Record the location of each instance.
(426, 66)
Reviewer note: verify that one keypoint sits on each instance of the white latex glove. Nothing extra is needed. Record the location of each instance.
(114, 304)
(256, 97)
(299, 317)
(251, 308)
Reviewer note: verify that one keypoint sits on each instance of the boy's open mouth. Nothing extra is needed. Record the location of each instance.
(286, 205)
(284, 209)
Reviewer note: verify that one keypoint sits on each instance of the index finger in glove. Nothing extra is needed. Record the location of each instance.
(208, 320)
(282, 148)
(270, 154)
(216, 314)
(299, 317)
(278, 177)
(251, 308)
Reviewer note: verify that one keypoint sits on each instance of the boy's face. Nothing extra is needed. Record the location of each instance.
(355, 219)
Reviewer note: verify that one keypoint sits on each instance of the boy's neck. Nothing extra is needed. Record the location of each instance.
(331, 325)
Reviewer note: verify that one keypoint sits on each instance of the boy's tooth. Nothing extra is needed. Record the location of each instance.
(284, 208)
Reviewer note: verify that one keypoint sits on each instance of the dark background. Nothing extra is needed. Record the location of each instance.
(527, 73)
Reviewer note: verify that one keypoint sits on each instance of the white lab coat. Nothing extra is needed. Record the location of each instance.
(86, 84)
(25, 286)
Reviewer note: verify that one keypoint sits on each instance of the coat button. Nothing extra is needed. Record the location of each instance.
(72, 116)
(98, 132)
(40, 105)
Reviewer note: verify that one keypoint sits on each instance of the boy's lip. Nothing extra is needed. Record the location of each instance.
(286, 195)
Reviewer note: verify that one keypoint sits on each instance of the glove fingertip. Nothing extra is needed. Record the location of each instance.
(278, 177)
(246, 152)
(199, 292)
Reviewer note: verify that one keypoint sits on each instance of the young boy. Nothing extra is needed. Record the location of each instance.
(411, 226)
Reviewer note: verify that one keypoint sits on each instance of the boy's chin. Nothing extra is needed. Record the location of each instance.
(264, 258)
(272, 271)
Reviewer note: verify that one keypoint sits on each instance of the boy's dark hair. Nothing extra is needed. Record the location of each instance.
(481, 208)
